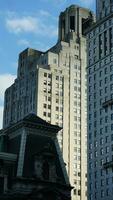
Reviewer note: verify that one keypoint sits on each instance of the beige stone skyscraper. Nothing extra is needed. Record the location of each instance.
(52, 84)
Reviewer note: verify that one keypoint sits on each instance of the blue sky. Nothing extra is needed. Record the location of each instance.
(27, 23)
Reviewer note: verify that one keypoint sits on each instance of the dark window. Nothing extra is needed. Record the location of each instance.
(72, 23)
(45, 74)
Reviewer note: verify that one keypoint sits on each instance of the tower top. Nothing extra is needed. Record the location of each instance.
(72, 21)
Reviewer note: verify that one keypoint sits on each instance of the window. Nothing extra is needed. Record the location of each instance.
(106, 89)
(111, 87)
(107, 192)
(112, 147)
(49, 106)
(106, 129)
(111, 116)
(100, 73)
(105, 71)
(106, 109)
(102, 172)
(72, 23)
(95, 144)
(45, 105)
(57, 100)
(57, 108)
(112, 137)
(102, 193)
(79, 192)
(111, 77)
(49, 114)
(74, 191)
(100, 92)
(101, 151)
(49, 98)
(95, 153)
(101, 131)
(57, 78)
(106, 119)
(101, 162)
(44, 113)
(100, 83)
(106, 79)
(45, 74)
(111, 67)
(102, 182)
(112, 127)
(49, 75)
(107, 181)
(107, 149)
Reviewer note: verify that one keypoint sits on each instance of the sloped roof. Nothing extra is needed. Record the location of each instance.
(33, 118)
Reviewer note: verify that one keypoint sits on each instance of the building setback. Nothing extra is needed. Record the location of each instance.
(52, 85)
(100, 104)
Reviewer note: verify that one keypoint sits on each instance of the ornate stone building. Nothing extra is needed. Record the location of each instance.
(31, 165)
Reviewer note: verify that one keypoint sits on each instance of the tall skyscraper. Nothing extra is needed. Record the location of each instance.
(100, 104)
(52, 85)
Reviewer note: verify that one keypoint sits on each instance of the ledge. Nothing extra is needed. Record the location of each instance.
(8, 156)
(108, 165)
(107, 103)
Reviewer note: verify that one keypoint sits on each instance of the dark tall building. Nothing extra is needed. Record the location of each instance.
(31, 165)
(100, 103)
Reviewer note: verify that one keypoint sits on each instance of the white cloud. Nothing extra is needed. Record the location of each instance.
(23, 24)
(1, 116)
(5, 81)
(23, 42)
(45, 13)
(40, 24)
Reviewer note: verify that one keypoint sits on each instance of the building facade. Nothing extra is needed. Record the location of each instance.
(52, 85)
(100, 104)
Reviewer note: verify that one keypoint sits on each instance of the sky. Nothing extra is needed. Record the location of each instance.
(27, 23)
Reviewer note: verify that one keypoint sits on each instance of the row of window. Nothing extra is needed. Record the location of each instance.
(101, 142)
(101, 82)
(102, 27)
(102, 152)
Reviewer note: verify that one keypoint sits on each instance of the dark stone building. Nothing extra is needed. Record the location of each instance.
(31, 165)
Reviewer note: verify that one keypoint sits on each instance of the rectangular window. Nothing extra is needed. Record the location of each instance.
(111, 77)
(72, 23)
(45, 74)
(111, 87)
(112, 127)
